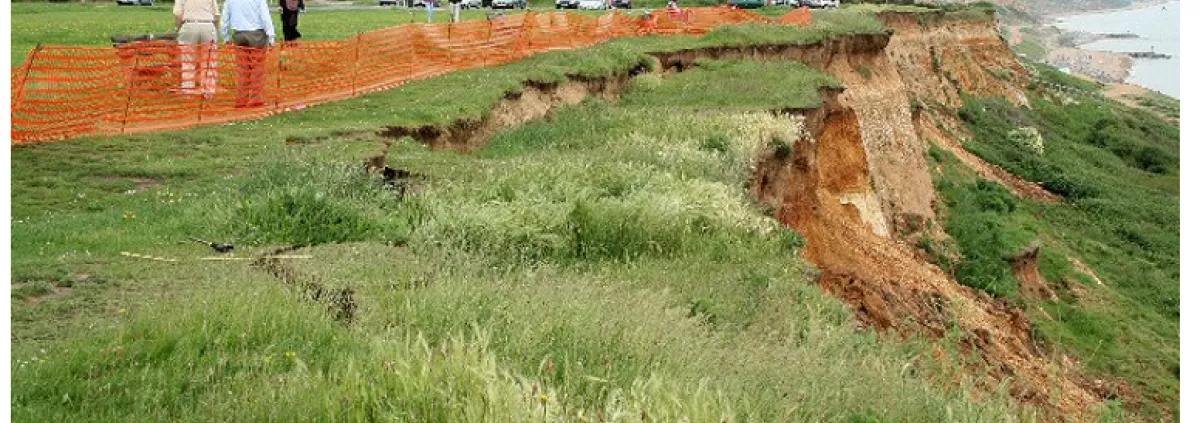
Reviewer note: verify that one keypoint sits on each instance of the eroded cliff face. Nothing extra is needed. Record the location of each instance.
(927, 62)
(858, 182)
(939, 56)
(876, 92)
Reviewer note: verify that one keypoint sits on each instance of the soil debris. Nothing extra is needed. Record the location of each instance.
(1025, 268)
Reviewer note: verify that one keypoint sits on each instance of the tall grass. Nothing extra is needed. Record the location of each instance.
(255, 354)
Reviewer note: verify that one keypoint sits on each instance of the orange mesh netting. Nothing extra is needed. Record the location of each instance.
(63, 92)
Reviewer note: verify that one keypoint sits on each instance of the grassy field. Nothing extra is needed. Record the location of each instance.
(606, 264)
(92, 24)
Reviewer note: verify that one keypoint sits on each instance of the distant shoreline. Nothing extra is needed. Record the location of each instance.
(1136, 5)
(1123, 68)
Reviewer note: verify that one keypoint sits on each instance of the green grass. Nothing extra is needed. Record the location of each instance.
(1167, 105)
(1049, 75)
(609, 256)
(91, 24)
(1118, 171)
(1031, 49)
(791, 88)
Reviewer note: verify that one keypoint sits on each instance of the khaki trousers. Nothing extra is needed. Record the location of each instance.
(198, 50)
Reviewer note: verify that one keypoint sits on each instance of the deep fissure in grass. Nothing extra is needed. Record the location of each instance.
(339, 303)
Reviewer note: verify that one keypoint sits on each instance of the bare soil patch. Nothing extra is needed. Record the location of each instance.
(139, 184)
(535, 101)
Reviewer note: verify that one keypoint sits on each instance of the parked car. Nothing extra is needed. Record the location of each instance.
(510, 4)
(472, 4)
(623, 4)
(566, 4)
(821, 4)
(593, 4)
(747, 4)
(135, 2)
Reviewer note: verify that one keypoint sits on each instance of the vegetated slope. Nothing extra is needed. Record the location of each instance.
(1096, 157)
(1118, 171)
(1017, 257)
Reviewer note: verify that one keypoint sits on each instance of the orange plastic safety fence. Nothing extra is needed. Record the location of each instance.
(62, 92)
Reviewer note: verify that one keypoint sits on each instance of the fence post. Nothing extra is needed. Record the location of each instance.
(570, 30)
(412, 54)
(129, 80)
(489, 42)
(25, 75)
(16, 101)
(526, 30)
(354, 72)
(279, 75)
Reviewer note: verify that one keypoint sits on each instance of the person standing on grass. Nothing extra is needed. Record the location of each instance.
(290, 15)
(248, 24)
(196, 24)
(429, 9)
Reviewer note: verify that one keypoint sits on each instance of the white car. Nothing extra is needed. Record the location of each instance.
(593, 4)
(510, 4)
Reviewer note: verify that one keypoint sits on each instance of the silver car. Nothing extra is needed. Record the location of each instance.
(593, 4)
(510, 4)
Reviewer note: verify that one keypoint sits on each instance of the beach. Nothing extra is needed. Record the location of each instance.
(1157, 27)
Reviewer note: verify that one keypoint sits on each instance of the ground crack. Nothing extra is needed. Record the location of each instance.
(339, 303)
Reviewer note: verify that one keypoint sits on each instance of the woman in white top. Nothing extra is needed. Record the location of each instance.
(196, 22)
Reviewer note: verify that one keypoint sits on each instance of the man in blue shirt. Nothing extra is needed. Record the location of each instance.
(252, 31)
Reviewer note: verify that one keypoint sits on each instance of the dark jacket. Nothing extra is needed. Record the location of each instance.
(291, 15)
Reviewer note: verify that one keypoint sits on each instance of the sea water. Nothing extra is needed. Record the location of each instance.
(1157, 28)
